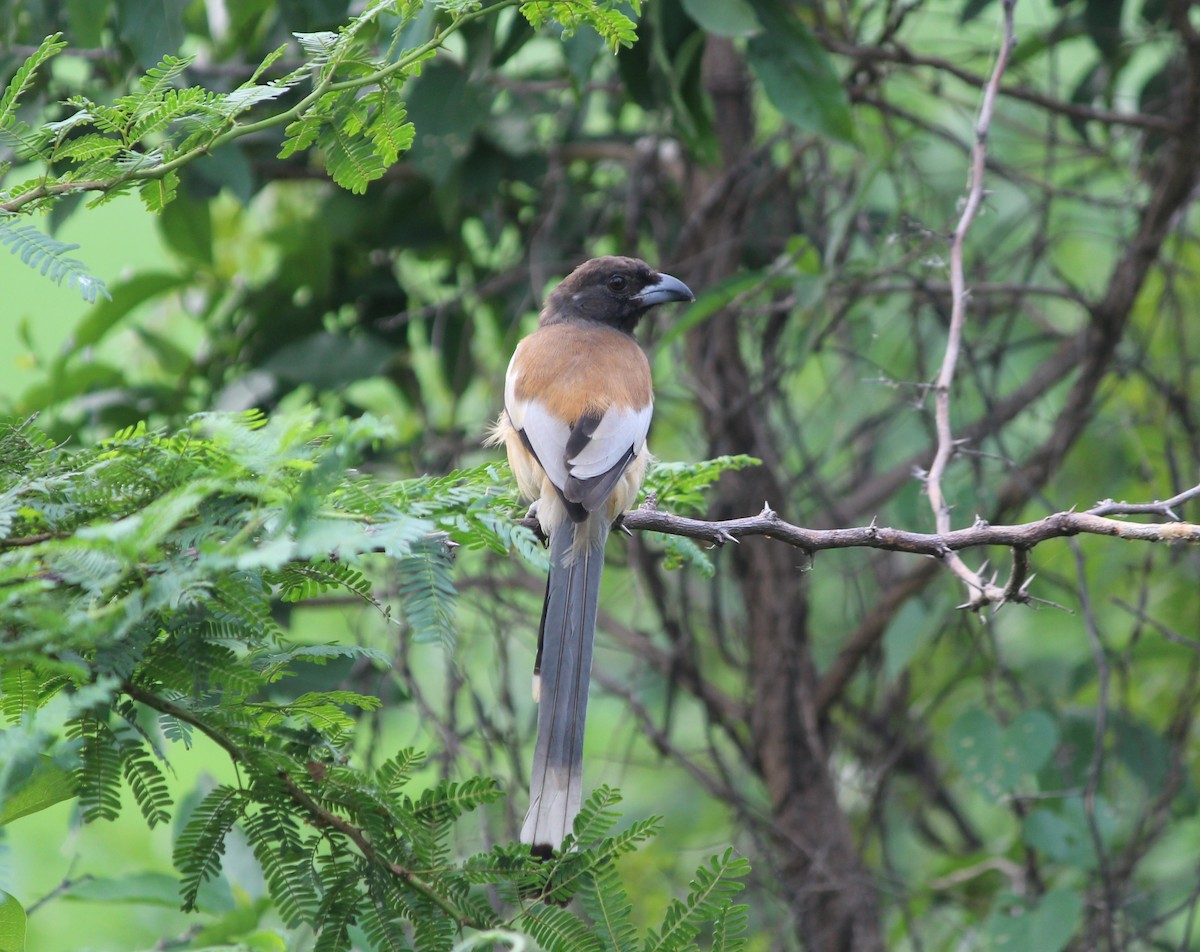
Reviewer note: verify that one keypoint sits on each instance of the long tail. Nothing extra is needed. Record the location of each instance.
(564, 671)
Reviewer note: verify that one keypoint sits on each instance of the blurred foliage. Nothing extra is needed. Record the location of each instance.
(1019, 781)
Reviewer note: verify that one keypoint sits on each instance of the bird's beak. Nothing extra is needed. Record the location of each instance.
(664, 289)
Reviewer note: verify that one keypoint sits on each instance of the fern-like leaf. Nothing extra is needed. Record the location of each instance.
(352, 159)
(273, 834)
(607, 903)
(163, 77)
(712, 892)
(557, 930)
(596, 816)
(681, 485)
(146, 781)
(729, 929)
(26, 75)
(425, 585)
(98, 776)
(200, 846)
(20, 692)
(397, 770)
(339, 907)
(47, 255)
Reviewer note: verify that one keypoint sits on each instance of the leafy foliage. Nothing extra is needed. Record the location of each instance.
(145, 593)
(352, 111)
(680, 486)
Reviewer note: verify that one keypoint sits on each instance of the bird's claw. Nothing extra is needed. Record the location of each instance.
(537, 523)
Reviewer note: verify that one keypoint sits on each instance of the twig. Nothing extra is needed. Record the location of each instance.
(896, 53)
(1166, 508)
(983, 592)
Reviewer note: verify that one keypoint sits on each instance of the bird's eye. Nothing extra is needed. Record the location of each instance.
(617, 282)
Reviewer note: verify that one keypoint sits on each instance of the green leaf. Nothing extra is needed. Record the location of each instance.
(87, 19)
(971, 9)
(998, 760)
(1064, 833)
(12, 924)
(719, 296)
(351, 158)
(447, 108)
(151, 29)
(187, 227)
(327, 360)
(726, 18)
(1045, 925)
(156, 889)
(798, 76)
(607, 903)
(46, 784)
(124, 298)
(908, 631)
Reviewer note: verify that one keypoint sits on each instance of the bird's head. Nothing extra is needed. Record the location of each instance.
(612, 290)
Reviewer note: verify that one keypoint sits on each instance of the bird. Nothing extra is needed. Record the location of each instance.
(578, 399)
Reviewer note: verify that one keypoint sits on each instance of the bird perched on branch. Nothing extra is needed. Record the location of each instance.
(577, 405)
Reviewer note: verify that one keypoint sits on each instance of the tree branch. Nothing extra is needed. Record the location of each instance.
(983, 591)
(894, 52)
(1021, 537)
(1059, 525)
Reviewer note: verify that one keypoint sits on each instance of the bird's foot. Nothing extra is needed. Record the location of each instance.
(532, 514)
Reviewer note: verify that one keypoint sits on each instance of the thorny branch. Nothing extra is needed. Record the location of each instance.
(983, 592)
(1020, 538)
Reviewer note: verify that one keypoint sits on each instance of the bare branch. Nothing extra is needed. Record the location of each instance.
(896, 53)
(983, 591)
(1026, 535)
(1166, 508)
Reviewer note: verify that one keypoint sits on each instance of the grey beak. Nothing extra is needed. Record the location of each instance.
(665, 289)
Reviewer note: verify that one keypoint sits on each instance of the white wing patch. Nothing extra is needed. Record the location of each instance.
(547, 434)
(618, 430)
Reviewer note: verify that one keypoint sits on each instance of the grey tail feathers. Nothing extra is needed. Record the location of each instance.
(565, 667)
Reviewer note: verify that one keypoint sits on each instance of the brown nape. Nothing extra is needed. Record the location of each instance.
(573, 369)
